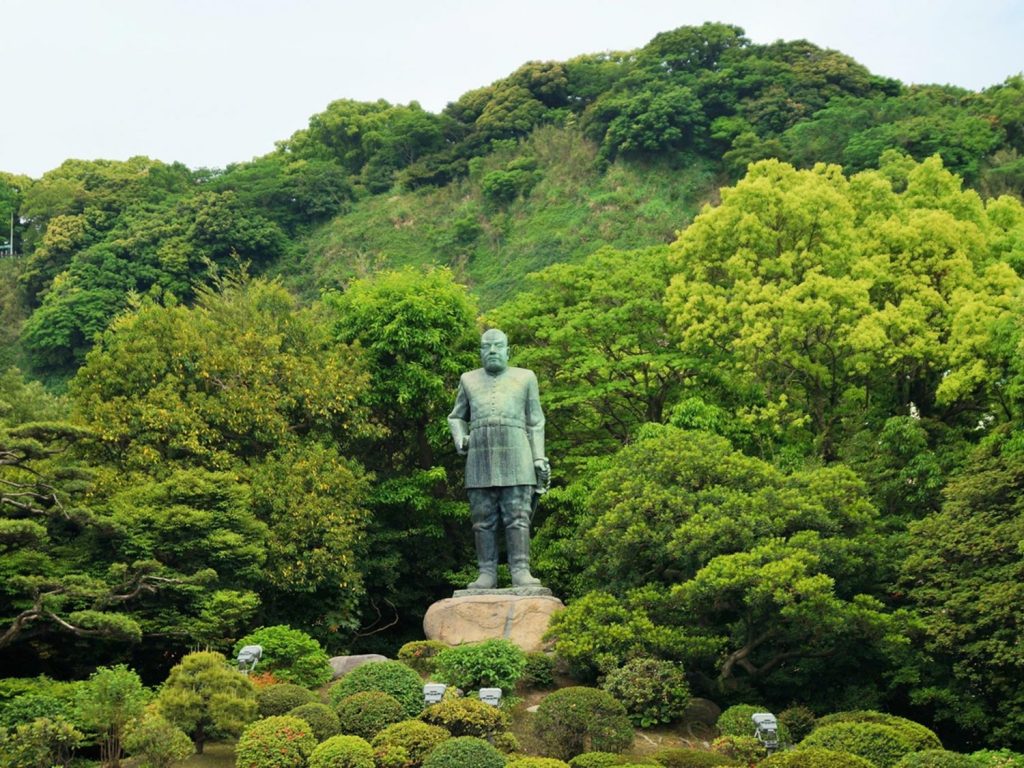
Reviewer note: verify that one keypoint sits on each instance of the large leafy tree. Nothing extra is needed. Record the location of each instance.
(598, 336)
(832, 298)
(418, 332)
(752, 576)
(228, 426)
(964, 583)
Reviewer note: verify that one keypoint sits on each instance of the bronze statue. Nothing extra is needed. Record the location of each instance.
(498, 424)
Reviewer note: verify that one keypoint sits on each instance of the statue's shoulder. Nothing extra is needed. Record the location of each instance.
(521, 374)
(470, 377)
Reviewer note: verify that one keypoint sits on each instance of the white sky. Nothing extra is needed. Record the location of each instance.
(210, 82)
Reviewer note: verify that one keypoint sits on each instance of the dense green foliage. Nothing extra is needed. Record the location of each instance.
(342, 752)
(467, 717)
(206, 698)
(815, 757)
(275, 742)
(574, 720)
(496, 663)
(289, 654)
(390, 677)
(881, 744)
(419, 654)
(367, 713)
(786, 428)
(464, 752)
(416, 738)
(321, 718)
(652, 690)
(677, 757)
(156, 743)
(280, 698)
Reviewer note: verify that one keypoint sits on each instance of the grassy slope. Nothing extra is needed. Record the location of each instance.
(571, 211)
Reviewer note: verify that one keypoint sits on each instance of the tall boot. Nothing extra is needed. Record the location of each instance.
(486, 560)
(518, 541)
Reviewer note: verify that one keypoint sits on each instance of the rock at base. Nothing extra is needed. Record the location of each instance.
(472, 618)
(341, 665)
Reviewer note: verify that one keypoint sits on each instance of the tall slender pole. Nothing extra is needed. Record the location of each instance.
(12, 231)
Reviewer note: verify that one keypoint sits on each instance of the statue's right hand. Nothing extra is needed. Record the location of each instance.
(463, 445)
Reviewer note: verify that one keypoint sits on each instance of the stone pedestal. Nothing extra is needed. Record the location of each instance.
(493, 613)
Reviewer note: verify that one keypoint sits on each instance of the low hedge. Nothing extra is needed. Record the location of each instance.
(321, 718)
(815, 757)
(343, 752)
(281, 698)
(414, 736)
(574, 720)
(281, 741)
(881, 744)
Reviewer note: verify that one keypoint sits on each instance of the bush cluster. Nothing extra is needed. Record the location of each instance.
(882, 744)
(156, 742)
(998, 758)
(391, 677)
(577, 719)
(490, 664)
(467, 717)
(275, 742)
(321, 718)
(597, 759)
(415, 737)
(936, 758)
(367, 713)
(653, 691)
(919, 736)
(799, 721)
(41, 742)
(539, 672)
(464, 752)
(679, 757)
(342, 752)
(743, 749)
(815, 757)
(537, 762)
(419, 654)
(281, 698)
(290, 654)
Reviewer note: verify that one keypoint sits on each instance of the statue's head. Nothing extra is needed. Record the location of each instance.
(494, 351)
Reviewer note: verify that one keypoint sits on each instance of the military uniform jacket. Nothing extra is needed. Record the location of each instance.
(502, 416)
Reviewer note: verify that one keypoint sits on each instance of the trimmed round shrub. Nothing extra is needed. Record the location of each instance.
(290, 654)
(275, 742)
(390, 756)
(467, 717)
(506, 742)
(814, 757)
(155, 742)
(420, 655)
(577, 719)
(539, 672)
(743, 749)
(282, 698)
(998, 758)
(799, 721)
(920, 737)
(490, 664)
(883, 745)
(537, 762)
(464, 752)
(391, 677)
(679, 757)
(414, 736)
(342, 752)
(936, 758)
(653, 691)
(321, 718)
(367, 713)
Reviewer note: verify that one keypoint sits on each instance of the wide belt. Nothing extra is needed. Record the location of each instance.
(497, 421)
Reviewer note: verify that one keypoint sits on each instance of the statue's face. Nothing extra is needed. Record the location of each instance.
(494, 351)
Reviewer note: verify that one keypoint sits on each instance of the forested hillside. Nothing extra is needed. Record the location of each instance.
(775, 304)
